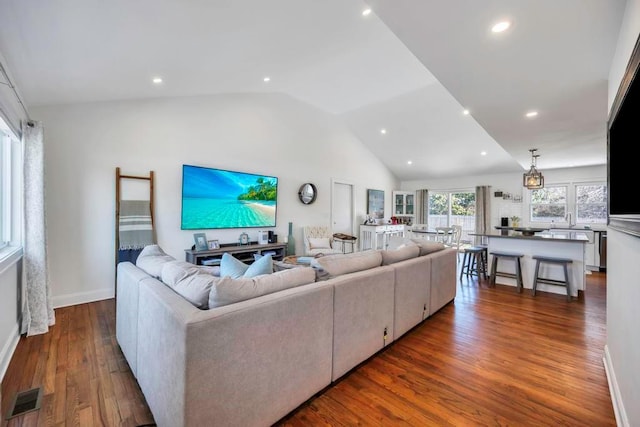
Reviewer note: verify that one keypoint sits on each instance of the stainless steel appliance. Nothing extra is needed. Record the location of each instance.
(602, 247)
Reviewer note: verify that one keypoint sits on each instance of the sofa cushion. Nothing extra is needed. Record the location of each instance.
(228, 290)
(427, 247)
(319, 243)
(196, 289)
(152, 259)
(403, 252)
(175, 271)
(335, 265)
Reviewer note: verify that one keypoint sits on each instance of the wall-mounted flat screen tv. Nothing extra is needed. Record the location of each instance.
(623, 150)
(217, 198)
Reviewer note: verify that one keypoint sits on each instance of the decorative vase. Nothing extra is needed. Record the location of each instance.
(291, 244)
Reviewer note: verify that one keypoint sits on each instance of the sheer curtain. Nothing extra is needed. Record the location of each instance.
(422, 198)
(38, 312)
(483, 210)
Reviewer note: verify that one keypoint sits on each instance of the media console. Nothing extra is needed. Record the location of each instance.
(244, 253)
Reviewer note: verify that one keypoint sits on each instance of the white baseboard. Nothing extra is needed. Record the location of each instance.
(7, 351)
(614, 390)
(81, 297)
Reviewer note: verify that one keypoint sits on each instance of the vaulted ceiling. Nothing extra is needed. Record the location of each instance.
(410, 67)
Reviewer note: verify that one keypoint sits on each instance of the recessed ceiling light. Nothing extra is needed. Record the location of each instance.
(501, 27)
(531, 114)
(366, 12)
(465, 112)
(483, 153)
(383, 131)
(409, 162)
(157, 80)
(267, 79)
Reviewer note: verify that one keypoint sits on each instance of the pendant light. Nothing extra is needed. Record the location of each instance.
(533, 179)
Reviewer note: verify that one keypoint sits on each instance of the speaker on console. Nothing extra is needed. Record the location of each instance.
(272, 237)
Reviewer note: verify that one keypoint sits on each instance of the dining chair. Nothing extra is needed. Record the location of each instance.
(444, 235)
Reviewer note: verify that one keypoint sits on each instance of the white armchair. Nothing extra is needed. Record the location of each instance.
(319, 240)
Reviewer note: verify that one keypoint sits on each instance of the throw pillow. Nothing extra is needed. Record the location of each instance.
(234, 268)
(263, 265)
(319, 243)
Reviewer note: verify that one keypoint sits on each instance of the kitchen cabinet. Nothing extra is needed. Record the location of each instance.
(377, 236)
(403, 203)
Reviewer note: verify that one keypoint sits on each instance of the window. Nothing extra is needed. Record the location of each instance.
(549, 204)
(10, 185)
(453, 207)
(570, 204)
(591, 204)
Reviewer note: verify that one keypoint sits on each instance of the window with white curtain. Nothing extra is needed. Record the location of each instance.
(10, 185)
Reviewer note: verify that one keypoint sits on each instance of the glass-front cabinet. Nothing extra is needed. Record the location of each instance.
(403, 202)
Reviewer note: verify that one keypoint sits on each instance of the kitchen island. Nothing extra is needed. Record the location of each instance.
(551, 243)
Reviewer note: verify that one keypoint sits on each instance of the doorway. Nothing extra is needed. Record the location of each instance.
(342, 207)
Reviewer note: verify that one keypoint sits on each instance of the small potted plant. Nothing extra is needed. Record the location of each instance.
(515, 221)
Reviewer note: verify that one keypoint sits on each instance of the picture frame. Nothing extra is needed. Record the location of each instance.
(213, 244)
(201, 241)
(375, 203)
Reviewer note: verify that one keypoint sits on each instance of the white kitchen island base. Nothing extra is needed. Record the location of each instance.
(548, 245)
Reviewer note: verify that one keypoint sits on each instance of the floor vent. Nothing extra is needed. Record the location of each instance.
(25, 401)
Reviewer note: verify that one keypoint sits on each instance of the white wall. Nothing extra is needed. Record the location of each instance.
(9, 333)
(622, 352)
(270, 134)
(510, 183)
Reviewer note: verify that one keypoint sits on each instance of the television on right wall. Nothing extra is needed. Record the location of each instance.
(623, 151)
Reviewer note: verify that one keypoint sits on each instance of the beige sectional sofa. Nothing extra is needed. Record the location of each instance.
(251, 362)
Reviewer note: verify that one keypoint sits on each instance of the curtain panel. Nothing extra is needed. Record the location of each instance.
(38, 310)
(483, 210)
(421, 201)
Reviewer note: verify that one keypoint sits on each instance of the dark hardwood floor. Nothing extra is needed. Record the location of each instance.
(494, 357)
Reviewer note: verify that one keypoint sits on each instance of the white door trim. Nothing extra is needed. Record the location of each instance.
(353, 202)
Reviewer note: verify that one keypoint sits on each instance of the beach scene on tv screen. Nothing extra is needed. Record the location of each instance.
(215, 198)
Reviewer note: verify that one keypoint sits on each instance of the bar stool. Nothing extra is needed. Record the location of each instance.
(474, 262)
(549, 260)
(510, 256)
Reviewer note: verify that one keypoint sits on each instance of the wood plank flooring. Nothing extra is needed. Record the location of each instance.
(494, 357)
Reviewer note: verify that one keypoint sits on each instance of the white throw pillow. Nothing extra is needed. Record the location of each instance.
(319, 243)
